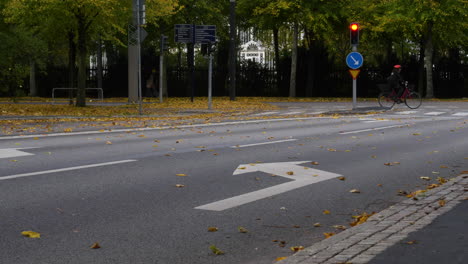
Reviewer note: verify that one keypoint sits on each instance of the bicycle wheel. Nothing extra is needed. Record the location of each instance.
(385, 100)
(413, 100)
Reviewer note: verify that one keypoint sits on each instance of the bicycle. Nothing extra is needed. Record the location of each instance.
(411, 98)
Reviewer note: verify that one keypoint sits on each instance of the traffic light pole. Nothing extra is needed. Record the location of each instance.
(354, 84)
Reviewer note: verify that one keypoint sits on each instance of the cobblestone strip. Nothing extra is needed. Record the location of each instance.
(358, 245)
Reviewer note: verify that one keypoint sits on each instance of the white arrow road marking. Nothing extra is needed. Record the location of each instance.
(301, 176)
(11, 153)
(64, 169)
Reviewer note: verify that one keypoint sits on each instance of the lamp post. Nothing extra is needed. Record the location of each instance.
(232, 51)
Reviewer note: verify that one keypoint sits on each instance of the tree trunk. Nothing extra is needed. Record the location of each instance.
(428, 57)
(82, 60)
(99, 63)
(32, 79)
(292, 81)
(277, 57)
(71, 65)
(421, 69)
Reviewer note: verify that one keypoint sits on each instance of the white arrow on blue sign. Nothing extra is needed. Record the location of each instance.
(354, 60)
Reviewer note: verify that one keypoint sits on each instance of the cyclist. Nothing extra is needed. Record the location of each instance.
(396, 82)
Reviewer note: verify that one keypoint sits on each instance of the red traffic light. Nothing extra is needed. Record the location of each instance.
(354, 26)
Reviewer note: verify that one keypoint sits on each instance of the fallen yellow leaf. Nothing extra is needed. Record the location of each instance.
(297, 248)
(95, 246)
(326, 212)
(242, 229)
(212, 229)
(181, 175)
(442, 202)
(290, 173)
(216, 250)
(31, 234)
(355, 191)
(425, 178)
(280, 258)
(341, 227)
(314, 163)
(179, 185)
(317, 225)
(341, 178)
(328, 235)
(360, 219)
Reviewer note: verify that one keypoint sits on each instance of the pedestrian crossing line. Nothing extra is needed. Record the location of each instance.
(435, 113)
(461, 114)
(407, 112)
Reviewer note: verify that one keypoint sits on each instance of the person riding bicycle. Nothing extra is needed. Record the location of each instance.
(396, 82)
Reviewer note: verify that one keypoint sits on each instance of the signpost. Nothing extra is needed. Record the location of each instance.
(354, 60)
(204, 34)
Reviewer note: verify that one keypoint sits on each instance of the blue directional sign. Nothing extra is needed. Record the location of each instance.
(205, 34)
(354, 60)
(183, 33)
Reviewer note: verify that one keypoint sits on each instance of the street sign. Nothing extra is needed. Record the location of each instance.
(205, 34)
(354, 73)
(183, 33)
(143, 34)
(301, 176)
(354, 60)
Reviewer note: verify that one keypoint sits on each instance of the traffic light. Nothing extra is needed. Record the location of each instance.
(163, 43)
(354, 34)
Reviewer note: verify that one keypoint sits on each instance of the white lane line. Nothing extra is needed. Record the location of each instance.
(461, 114)
(371, 129)
(374, 121)
(62, 170)
(406, 112)
(266, 113)
(263, 143)
(435, 113)
(292, 113)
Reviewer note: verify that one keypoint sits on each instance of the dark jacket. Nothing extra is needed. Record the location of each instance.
(395, 80)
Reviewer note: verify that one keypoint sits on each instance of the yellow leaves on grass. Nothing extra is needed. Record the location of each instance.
(31, 234)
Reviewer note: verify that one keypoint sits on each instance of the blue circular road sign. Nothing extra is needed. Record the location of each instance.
(354, 60)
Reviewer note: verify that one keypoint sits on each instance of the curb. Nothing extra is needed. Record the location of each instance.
(359, 244)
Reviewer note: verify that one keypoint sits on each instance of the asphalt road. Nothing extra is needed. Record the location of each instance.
(120, 189)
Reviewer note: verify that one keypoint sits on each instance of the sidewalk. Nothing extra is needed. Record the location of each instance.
(432, 229)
